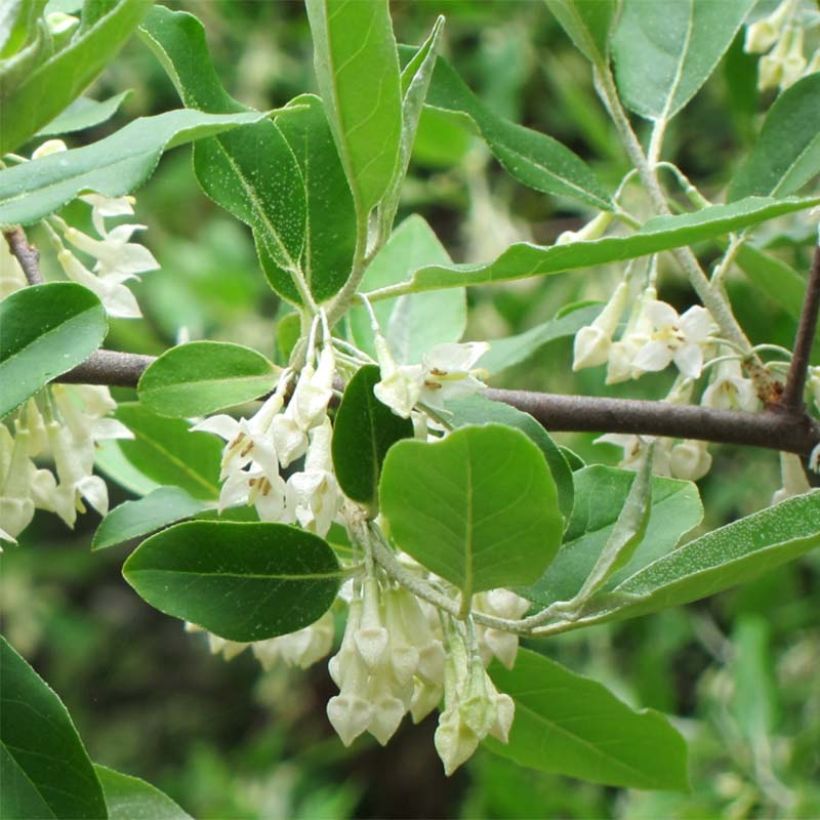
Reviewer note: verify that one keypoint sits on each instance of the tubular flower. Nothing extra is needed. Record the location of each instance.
(593, 342)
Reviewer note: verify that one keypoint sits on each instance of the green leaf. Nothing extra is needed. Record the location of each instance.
(479, 508)
(479, 410)
(716, 561)
(244, 582)
(664, 52)
(779, 281)
(658, 234)
(129, 798)
(412, 324)
(571, 725)
(253, 172)
(513, 350)
(357, 69)
(532, 158)
(199, 378)
(589, 24)
(755, 701)
(163, 506)
(113, 166)
(45, 330)
(600, 495)
(330, 232)
(83, 113)
(363, 432)
(44, 92)
(786, 155)
(111, 460)
(18, 19)
(168, 452)
(44, 767)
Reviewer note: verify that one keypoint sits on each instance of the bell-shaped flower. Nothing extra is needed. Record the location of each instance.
(592, 343)
(793, 478)
(622, 354)
(400, 385)
(729, 389)
(449, 372)
(116, 298)
(501, 603)
(313, 391)
(301, 649)
(634, 448)
(690, 460)
(103, 207)
(16, 503)
(674, 338)
(764, 33)
(83, 408)
(115, 254)
(219, 646)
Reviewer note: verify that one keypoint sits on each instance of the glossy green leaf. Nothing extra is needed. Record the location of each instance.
(199, 378)
(83, 113)
(600, 495)
(168, 452)
(45, 330)
(412, 325)
(532, 158)
(244, 582)
(363, 432)
(589, 24)
(664, 52)
(113, 166)
(129, 798)
(330, 230)
(513, 350)
(44, 767)
(786, 155)
(479, 508)
(658, 234)
(111, 461)
(480, 410)
(716, 561)
(252, 173)
(45, 91)
(571, 725)
(357, 69)
(132, 519)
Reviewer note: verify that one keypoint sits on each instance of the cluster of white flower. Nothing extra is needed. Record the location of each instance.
(117, 259)
(779, 37)
(64, 427)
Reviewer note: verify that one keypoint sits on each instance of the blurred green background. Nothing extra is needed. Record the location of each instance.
(228, 741)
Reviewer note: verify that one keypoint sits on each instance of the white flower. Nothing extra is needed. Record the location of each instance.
(622, 354)
(593, 342)
(12, 277)
(106, 206)
(678, 339)
(114, 253)
(764, 33)
(634, 448)
(219, 646)
(16, 504)
(116, 298)
(502, 603)
(594, 229)
(302, 648)
(49, 147)
(729, 389)
(690, 460)
(793, 478)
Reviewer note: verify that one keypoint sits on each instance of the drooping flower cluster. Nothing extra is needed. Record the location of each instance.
(780, 38)
(63, 428)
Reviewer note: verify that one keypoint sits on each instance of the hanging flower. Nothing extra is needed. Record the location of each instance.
(593, 342)
(729, 389)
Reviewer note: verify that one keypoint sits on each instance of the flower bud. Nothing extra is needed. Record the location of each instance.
(690, 460)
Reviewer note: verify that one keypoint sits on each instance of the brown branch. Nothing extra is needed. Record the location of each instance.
(792, 398)
(776, 430)
(27, 255)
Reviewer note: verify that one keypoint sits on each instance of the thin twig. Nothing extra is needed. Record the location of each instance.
(27, 255)
(792, 399)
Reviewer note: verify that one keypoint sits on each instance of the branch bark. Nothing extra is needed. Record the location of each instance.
(27, 255)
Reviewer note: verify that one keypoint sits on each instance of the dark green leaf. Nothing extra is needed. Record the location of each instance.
(45, 330)
(534, 159)
(571, 725)
(199, 378)
(658, 234)
(479, 508)
(664, 52)
(358, 74)
(244, 582)
(600, 495)
(129, 798)
(163, 506)
(787, 153)
(479, 410)
(44, 92)
(363, 432)
(113, 166)
(44, 768)
(83, 113)
(168, 452)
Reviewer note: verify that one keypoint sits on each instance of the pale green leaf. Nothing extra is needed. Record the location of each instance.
(129, 798)
(44, 767)
(357, 69)
(83, 113)
(664, 52)
(45, 330)
(571, 725)
(113, 166)
(241, 581)
(479, 508)
(589, 24)
(199, 378)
